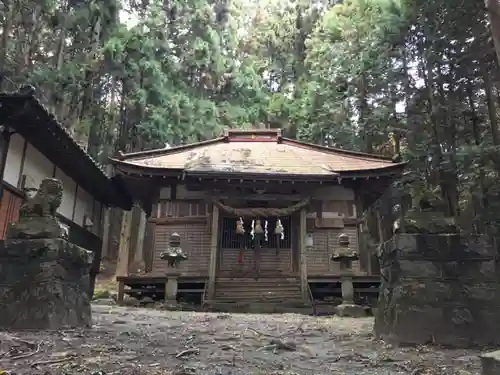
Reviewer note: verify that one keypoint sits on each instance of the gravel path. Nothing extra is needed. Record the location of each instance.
(138, 341)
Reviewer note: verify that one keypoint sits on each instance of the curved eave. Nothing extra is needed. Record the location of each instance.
(139, 170)
(131, 169)
(391, 169)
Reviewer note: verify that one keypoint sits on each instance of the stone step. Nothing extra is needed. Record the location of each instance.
(258, 307)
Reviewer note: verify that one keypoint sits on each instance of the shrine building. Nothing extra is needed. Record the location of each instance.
(259, 216)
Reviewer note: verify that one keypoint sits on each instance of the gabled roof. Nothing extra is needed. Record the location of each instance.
(22, 112)
(256, 152)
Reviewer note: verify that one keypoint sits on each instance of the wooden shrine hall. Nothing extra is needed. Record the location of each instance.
(259, 216)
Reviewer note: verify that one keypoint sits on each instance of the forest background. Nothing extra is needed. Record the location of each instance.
(132, 75)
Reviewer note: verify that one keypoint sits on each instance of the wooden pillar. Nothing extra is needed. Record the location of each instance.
(4, 150)
(106, 222)
(105, 232)
(121, 292)
(149, 245)
(124, 249)
(123, 252)
(138, 264)
(304, 287)
(213, 253)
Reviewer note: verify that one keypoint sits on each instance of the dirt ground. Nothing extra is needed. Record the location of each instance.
(127, 340)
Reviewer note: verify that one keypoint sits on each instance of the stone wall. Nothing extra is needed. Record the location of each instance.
(44, 284)
(441, 289)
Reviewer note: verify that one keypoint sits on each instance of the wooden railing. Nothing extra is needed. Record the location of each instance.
(205, 291)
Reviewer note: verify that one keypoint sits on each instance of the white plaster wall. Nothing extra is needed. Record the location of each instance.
(83, 207)
(14, 160)
(66, 207)
(36, 167)
(98, 209)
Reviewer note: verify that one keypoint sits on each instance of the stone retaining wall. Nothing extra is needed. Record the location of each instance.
(44, 284)
(441, 289)
(491, 363)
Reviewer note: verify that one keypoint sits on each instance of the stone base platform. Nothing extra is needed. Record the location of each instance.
(44, 284)
(439, 289)
(351, 311)
(491, 363)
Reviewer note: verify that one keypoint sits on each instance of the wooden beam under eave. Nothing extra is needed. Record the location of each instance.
(213, 254)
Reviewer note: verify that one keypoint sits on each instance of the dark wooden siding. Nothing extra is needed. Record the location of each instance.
(195, 241)
(9, 208)
(325, 241)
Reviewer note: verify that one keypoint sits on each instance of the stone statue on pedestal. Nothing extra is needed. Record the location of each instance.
(37, 216)
(44, 279)
(426, 216)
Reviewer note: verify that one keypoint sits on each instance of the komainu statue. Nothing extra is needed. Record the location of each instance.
(427, 215)
(46, 201)
(37, 216)
(174, 254)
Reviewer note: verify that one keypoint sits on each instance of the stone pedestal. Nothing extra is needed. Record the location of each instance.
(44, 284)
(490, 363)
(171, 288)
(441, 289)
(36, 228)
(347, 289)
(348, 308)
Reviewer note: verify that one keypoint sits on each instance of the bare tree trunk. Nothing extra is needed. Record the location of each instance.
(493, 7)
(4, 46)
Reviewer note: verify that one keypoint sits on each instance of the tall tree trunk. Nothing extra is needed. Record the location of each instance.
(492, 109)
(60, 100)
(365, 126)
(477, 140)
(437, 176)
(4, 46)
(493, 8)
(95, 33)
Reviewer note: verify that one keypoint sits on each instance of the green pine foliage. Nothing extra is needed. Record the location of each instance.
(133, 75)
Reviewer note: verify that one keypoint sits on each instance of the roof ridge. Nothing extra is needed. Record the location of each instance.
(170, 150)
(339, 150)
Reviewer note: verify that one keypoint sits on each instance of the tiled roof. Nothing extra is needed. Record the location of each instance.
(263, 153)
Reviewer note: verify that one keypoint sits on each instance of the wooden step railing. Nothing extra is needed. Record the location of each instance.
(311, 298)
(205, 291)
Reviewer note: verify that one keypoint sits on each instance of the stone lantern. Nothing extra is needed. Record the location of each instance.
(345, 255)
(174, 256)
